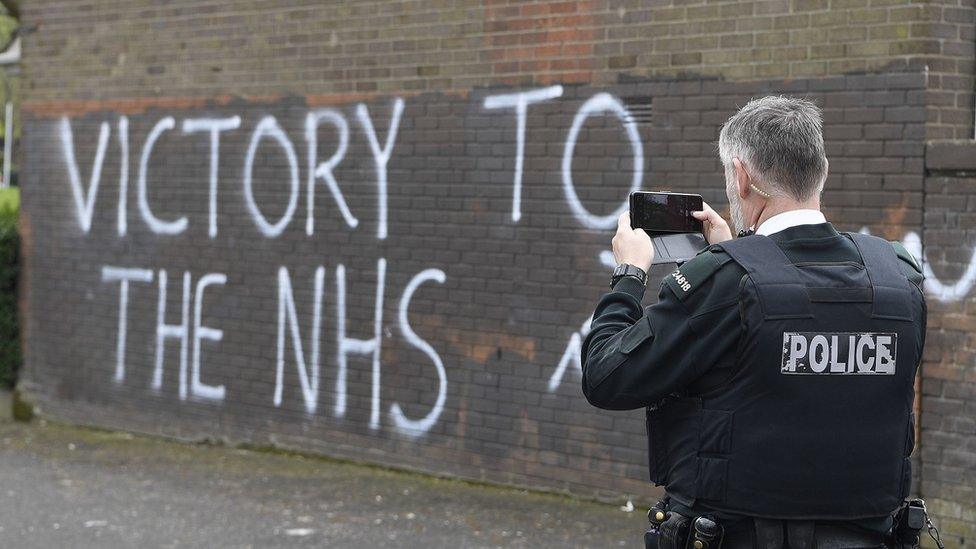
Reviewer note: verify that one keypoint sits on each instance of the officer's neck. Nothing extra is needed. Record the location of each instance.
(779, 204)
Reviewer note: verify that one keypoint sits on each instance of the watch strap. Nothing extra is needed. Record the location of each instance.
(626, 269)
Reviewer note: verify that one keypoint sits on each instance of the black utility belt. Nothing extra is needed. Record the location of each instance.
(672, 530)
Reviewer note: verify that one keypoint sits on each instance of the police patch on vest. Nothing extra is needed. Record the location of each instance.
(839, 353)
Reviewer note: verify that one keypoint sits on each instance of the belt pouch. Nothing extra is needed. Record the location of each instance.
(674, 532)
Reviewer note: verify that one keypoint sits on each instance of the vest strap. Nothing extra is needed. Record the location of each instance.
(782, 292)
(892, 290)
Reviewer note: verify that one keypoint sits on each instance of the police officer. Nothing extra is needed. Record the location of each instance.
(777, 368)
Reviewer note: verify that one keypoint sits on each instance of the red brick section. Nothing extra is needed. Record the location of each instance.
(208, 47)
(541, 42)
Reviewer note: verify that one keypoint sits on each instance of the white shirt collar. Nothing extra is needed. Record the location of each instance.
(789, 219)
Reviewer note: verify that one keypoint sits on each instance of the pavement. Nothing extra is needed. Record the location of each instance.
(63, 486)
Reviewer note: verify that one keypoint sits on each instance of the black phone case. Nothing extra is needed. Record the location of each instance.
(677, 247)
(653, 233)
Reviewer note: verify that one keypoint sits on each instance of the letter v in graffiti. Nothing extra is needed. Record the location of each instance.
(84, 202)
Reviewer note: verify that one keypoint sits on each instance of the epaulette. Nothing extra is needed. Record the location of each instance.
(693, 273)
(906, 256)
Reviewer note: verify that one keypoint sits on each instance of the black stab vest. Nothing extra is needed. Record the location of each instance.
(817, 421)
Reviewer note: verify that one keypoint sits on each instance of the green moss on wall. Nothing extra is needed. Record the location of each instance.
(9, 269)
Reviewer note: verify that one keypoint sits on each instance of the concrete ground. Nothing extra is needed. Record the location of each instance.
(64, 486)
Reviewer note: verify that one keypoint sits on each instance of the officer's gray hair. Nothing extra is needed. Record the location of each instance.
(780, 142)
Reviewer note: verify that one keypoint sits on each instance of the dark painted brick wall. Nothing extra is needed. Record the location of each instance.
(514, 296)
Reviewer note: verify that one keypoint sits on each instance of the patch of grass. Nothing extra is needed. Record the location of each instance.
(22, 409)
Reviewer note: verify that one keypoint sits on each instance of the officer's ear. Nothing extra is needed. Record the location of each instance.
(742, 179)
(826, 171)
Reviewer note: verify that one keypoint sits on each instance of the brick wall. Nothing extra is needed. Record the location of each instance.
(485, 274)
(205, 48)
(947, 53)
(145, 48)
(948, 421)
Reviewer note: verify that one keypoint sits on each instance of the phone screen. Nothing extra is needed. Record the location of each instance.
(665, 212)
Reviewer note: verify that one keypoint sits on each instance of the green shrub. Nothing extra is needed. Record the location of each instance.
(9, 245)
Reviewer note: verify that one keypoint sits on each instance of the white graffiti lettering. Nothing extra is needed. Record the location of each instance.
(325, 169)
(122, 213)
(347, 345)
(214, 126)
(520, 101)
(300, 325)
(201, 332)
(414, 427)
(268, 127)
(286, 311)
(155, 224)
(84, 203)
(601, 102)
(124, 277)
(381, 156)
(179, 331)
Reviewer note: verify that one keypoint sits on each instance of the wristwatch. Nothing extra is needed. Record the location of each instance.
(626, 269)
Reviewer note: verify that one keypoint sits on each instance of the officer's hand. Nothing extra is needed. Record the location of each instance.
(715, 228)
(632, 245)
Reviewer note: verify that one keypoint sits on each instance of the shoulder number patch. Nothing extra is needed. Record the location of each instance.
(681, 280)
(689, 277)
(839, 353)
(679, 284)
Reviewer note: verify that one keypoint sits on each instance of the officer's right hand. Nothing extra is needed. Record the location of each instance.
(632, 246)
(715, 228)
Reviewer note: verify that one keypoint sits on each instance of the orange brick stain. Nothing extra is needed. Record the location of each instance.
(554, 41)
(478, 346)
(895, 218)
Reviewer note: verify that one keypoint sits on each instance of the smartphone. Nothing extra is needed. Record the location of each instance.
(665, 212)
